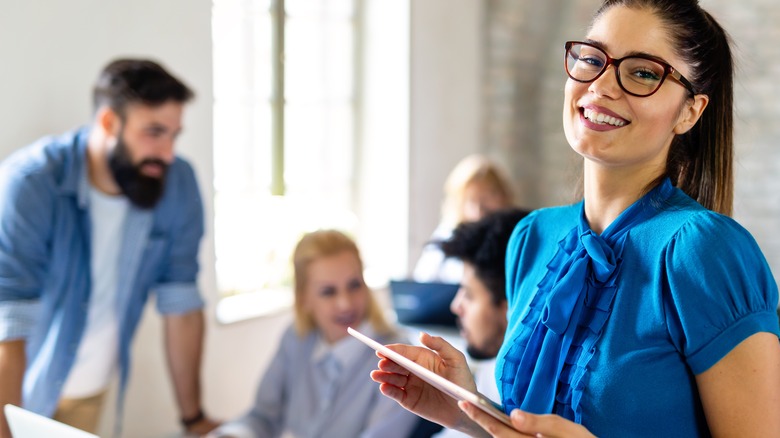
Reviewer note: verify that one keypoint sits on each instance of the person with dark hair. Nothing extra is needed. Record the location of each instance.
(643, 310)
(91, 223)
(480, 303)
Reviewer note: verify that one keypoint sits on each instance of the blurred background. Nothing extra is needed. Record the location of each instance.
(347, 114)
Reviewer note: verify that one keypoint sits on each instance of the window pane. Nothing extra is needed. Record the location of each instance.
(241, 34)
(319, 147)
(322, 47)
(255, 232)
(326, 9)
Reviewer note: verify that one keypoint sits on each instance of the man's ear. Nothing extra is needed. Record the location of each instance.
(108, 121)
(691, 112)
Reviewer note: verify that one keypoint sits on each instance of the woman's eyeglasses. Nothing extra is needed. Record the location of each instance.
(637, 75)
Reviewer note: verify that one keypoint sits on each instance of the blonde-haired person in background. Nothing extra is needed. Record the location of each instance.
(475, 187)
(310, 389)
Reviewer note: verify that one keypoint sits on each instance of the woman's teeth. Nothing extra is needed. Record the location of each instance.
(602, 119)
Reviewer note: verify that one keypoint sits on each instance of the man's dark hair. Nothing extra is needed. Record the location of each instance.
(483, 244)
(125, 81)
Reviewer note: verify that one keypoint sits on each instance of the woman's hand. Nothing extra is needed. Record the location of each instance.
(416, 395)
(526, 424)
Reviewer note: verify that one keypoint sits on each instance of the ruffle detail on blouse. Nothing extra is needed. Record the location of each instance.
(545, 370)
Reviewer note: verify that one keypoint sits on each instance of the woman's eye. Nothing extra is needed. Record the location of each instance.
(328, 291)
(647, 75)
(592, 61)
(355, 285)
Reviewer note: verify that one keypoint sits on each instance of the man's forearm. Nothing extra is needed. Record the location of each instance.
(12, 363)
(184, 347)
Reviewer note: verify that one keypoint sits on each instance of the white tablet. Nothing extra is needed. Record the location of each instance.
(435, 380)
(26, 424)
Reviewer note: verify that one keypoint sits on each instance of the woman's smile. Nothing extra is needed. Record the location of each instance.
(601, 119)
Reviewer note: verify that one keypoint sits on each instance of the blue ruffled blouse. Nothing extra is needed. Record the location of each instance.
(610, 330)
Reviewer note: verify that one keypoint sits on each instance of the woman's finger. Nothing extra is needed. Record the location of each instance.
(489, 424)
(394, 379)
(547, 425)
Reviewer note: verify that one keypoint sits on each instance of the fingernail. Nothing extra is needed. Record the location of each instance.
(518, 415)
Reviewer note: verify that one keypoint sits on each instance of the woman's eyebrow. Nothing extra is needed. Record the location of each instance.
(603, 47)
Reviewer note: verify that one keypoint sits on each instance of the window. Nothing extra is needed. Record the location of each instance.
(284, 137)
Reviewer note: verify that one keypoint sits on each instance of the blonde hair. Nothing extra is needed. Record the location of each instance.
(472, 169)
(317, 245)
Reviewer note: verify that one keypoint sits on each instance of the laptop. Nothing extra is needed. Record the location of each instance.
(26, 424)
(423, 303)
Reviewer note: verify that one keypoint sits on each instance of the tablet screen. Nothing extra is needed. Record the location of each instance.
(435, 380)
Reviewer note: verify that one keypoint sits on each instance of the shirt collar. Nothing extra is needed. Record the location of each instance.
(346, 350)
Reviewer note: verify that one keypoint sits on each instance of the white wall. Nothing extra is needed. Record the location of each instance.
(52, 51)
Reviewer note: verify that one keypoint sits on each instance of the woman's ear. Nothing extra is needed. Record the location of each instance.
(691, 112)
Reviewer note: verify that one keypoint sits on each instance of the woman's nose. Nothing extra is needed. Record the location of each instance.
(344, 301)
(607, 84)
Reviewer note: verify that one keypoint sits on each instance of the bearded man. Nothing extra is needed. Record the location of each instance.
(91, 223)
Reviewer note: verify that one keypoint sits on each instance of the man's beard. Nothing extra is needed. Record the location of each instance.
(475, 352)
(143, 191)
(478, 354)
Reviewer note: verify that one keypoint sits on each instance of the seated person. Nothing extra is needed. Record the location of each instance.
(475, 187)
(310, 388)
(480, 304)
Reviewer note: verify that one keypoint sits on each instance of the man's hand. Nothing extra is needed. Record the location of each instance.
(12, 363)
(184, 345)
(202, 427)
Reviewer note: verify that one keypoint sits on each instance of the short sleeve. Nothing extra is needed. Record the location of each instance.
(720, 289)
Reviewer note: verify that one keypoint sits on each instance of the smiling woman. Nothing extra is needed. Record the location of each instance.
(309, 388)
(632, 291)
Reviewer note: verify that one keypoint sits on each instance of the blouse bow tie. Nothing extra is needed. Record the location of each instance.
(592, 251)
(541, 372)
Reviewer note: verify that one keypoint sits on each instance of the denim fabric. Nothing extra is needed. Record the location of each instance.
(45, 259)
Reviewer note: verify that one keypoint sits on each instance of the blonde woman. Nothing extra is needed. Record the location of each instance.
(475, 187)
(310, 389)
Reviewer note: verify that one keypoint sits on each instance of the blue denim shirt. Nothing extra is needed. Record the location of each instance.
(45, 235)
